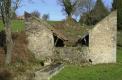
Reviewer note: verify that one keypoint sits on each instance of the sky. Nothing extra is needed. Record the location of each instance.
(50, 7)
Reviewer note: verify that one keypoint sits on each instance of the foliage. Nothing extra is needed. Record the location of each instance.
(95, 15)
(84, 6)
(45, 17)
(119, 14)
(14, 15)
(36, 14)
(119, 38)
(114, 5)
(68, 6)
(73, 7)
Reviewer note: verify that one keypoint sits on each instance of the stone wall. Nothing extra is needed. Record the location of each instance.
(102, 43)
(102, 40)
(71, 55)
(40, 38)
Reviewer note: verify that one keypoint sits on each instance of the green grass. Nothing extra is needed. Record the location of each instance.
(17, 25)
(54, 22)
(96, 72)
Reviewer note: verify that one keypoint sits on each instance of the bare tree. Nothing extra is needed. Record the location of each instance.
(89, 6)
(84, 6)
(15, 5)
(86, 11)
(95, 14)
(75, 7)
(36, 14)
(68, 6)
(5, 6)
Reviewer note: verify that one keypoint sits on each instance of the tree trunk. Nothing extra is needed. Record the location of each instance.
(9, 43)
(7, 24)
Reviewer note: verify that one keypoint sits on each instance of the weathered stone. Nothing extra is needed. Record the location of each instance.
(101, 48)
(40, 38)
(71, 55)
(48, 72)
(102, 40)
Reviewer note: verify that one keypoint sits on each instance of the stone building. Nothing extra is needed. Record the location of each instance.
(40, 38)
(73, 43)
(102, 40)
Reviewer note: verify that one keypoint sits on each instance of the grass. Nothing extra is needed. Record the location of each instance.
(54, 22)
(17, 25)
(96, 72)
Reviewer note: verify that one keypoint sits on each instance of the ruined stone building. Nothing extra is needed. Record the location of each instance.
(102, 40)
(96, 45)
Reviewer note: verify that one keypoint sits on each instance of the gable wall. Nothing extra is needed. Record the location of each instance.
(40, 39)
(102, 42)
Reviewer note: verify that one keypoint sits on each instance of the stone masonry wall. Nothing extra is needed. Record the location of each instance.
(40, 39)
(71, 55)
(102, 40)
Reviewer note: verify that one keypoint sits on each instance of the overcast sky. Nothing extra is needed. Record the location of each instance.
(48, 7)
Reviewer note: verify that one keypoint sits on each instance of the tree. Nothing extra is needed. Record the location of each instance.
(5, 6)
(36, 14)
(85, 6)
(45, 17)
(95, 15)
(15, 5)
(86, 14)
(68, 6)
(114, 5)
(99, 11)
(75, 7)
(119, 14)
